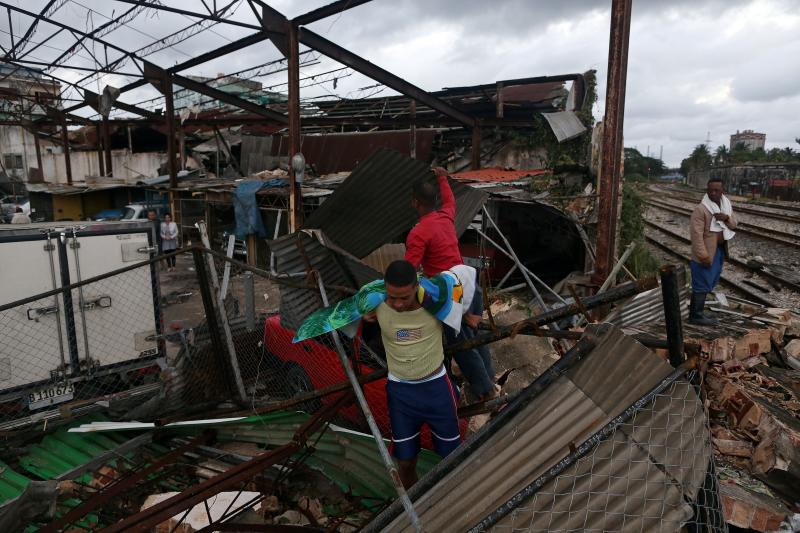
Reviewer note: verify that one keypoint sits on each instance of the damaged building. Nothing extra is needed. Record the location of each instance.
(166, 389)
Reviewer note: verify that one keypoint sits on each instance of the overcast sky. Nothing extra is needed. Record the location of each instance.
(694, 66)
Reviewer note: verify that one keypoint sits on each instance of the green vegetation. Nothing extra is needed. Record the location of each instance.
(701, 157)
(640, 167)
(572, 153)
(640, 263)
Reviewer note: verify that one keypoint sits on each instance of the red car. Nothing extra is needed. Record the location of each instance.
(311, 365)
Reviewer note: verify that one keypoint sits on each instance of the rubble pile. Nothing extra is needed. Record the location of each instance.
(754, 406)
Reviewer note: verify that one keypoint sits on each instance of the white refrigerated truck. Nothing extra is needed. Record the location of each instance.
(82, 343)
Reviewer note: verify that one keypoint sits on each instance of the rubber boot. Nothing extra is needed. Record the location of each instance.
(696, 315)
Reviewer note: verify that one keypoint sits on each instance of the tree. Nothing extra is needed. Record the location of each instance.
(640, 166)
(699, 159)
(721, 155)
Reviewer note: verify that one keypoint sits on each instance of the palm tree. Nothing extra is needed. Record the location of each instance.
(721, 155)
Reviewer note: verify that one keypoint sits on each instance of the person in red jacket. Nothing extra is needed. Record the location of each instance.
(433, 244)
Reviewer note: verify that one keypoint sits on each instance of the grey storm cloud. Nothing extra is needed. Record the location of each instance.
(695, 66)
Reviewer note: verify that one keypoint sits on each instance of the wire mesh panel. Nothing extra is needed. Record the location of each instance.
(272, 368)
(653, 473)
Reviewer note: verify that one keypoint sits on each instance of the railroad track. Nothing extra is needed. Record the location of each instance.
(738, 207)
(730, 282)
(760, 232)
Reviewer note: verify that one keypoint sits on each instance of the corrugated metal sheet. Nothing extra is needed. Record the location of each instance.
(493, 175)
(297, 251)
(373, 205)
(618, 484)
(645, 307)
(347, 457)
(565, 124)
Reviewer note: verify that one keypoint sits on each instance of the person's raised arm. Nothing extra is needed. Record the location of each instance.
(448, 199)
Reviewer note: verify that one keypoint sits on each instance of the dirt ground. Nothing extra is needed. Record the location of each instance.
(182, 303)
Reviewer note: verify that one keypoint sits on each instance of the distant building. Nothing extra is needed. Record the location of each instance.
(749, 139)
(24, 94)
(246, 89)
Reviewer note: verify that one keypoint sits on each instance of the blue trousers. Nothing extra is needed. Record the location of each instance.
(475, 364)
(705, 278)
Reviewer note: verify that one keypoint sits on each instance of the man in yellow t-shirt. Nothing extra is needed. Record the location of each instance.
(418, 390)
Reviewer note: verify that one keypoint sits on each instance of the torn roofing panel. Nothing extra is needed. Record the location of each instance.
(373, 205)
(299, 252)
(520, 448)
(565, 125)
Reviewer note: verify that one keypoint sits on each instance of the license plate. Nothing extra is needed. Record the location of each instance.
(51, 396)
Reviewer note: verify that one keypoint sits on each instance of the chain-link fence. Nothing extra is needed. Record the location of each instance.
(654, 472)
(148, 342)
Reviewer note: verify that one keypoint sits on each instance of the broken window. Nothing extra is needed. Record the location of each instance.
(12, 161)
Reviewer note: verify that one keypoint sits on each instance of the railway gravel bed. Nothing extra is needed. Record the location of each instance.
(779, 211)
(789, 229)
(741, 280)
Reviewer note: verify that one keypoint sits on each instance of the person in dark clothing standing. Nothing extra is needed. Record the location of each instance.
(152, 216)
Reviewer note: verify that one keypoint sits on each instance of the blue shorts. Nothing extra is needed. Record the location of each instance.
(705, 278)
(411, 405)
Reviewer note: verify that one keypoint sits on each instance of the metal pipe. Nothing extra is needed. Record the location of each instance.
(107, 147)
(617, 293)
(519, 264)
(226, 328)
(373, 426)
(210, 311)
(613, 275)
(588, 445)
(169, 117)
(672, 312)
(249, 301)
(50, 247)
(609, 179)
(507, 275)
(75, 245)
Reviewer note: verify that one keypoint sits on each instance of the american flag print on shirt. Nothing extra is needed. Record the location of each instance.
(408, 335)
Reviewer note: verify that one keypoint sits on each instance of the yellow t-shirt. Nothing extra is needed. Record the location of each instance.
(412, 340)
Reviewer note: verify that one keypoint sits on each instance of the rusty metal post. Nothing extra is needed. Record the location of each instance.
(671, 277)
(293, 60)
(166, 88)
(107, 147)
(65, 142)
(100, 161)
(611, 164)
(476, 148)
(38, 152)
(182, 146)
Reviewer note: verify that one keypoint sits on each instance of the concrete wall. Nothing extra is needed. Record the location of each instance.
(740, 179)
(126, 166)
(15, 140)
